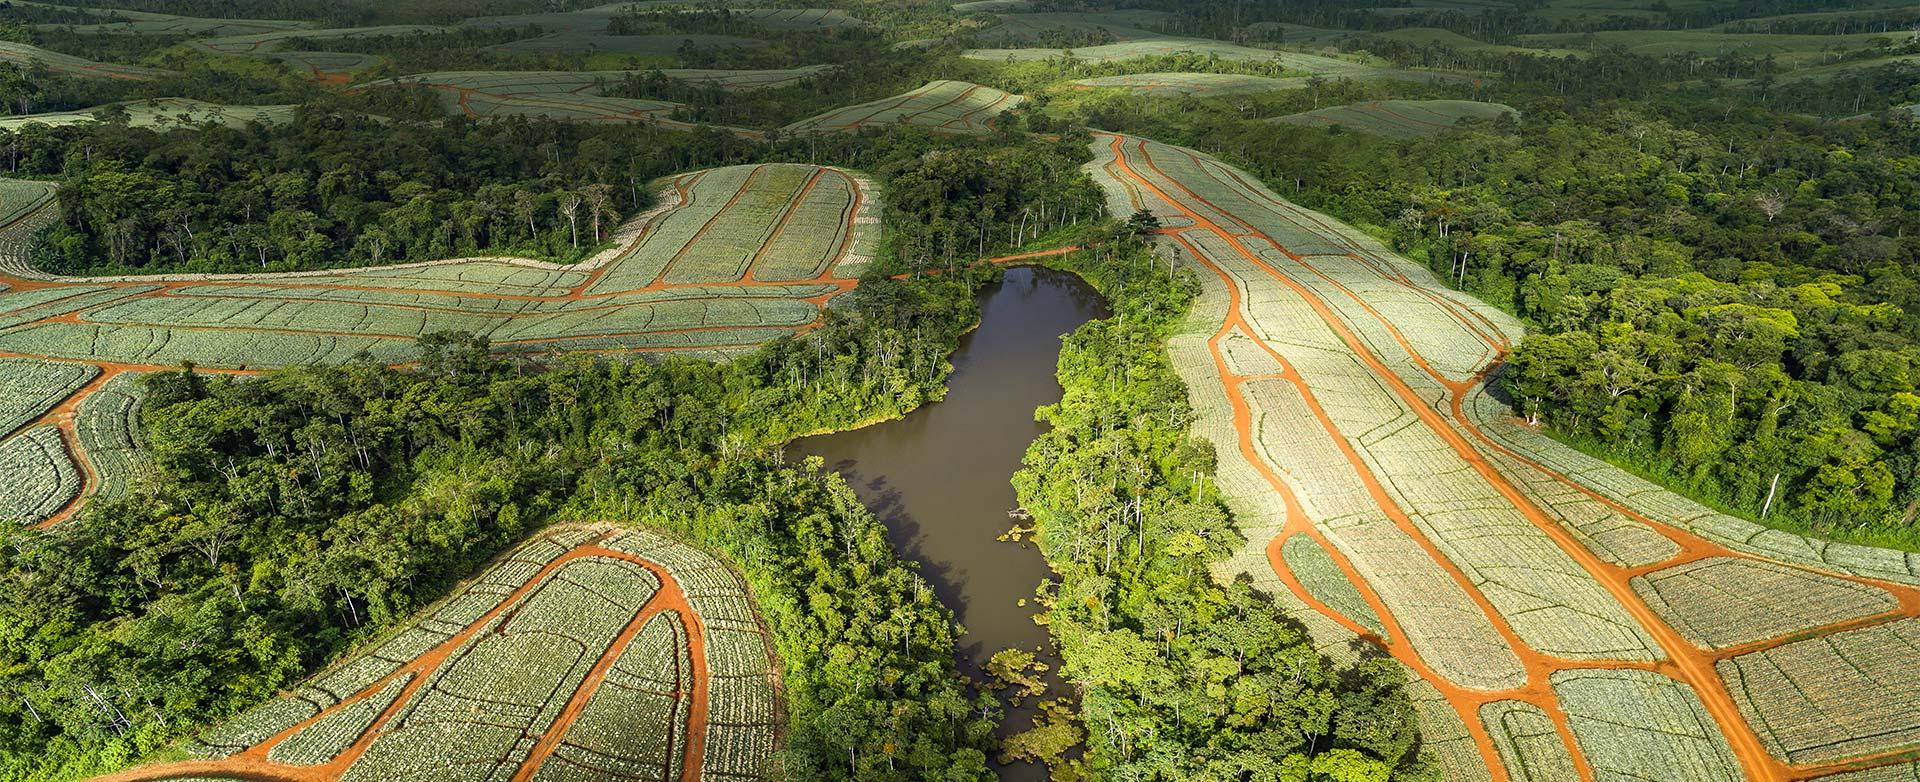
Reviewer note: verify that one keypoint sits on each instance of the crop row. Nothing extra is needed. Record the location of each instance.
(1642, 725)
(1317, 571)
(109, 428)
(941, 106)
(1833, 698)
(37, 476)
(1529, 745)
(30, 387)
(1722, 602)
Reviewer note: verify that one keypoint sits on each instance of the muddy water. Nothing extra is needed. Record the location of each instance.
(939, 478)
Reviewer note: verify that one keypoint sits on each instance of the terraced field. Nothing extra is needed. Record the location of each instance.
(576, 95)
(127, 22)
(29, 56)
(1400, 118)
(586, 653)
(732, 258)
(1193, 83)
(163, 113)
(940, 106)
(1563, 619)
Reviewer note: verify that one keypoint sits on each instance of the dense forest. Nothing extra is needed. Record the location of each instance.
(1721, 290)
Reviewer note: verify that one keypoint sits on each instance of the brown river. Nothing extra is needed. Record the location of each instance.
(939, 478)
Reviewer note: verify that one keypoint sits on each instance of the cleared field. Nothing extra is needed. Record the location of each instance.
(640, 45)
(1123, 25)
(108, 424)
(1197, 47)
(940, 106)
(37, 477)
(585, 653)
(28, 56)
(1435, 36)
(1644, 726)
(19, 197)
(1789, 50)
(31, 387)
(1726, 601)
(732, 258)
(1342, 387)
(127, 22)
(1400, 118)
(1529, 744)
(557, 94)
(1194, 83)
(162, 113)
(1844, 696)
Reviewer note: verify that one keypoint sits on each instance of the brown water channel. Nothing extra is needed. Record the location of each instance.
(939, 478)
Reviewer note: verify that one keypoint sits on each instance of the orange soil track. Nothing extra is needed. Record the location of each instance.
(1684, 662)
(253, 763)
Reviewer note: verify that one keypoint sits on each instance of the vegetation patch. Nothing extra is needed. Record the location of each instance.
(940, 106)
(1401, 118)
(1846, 695)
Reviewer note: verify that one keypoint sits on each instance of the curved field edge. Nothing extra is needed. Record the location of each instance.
(628, 578)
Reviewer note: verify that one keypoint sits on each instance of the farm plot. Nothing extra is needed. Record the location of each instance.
(29, 388)
(1125, 25)
(1316, 570)
(1366, 425)
(639, 45)
(1193, 83)
(586, 653)
(162, 114)
(940, 106)
(1724, 602)
(1836, 698)
(128, 22)
(555, 94)
(27, 56)
(37, 476)
(18, 197)
(1529, 744)
(1639, 725)
(1400, 118)
(773, 223)
(1158, 47)
(732, 258)
(108, 425)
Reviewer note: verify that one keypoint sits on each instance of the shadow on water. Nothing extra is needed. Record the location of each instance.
(940, 478)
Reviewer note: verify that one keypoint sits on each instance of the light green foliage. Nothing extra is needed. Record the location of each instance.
(27, 56)
(1726, 601)
(940, 106)
(37, 476)
(1528, 743)
(30, 387)
(109, 429)
(161, 114)
(1317, 571)
(1843, 696)
(1194, 83)
(1641, 725)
